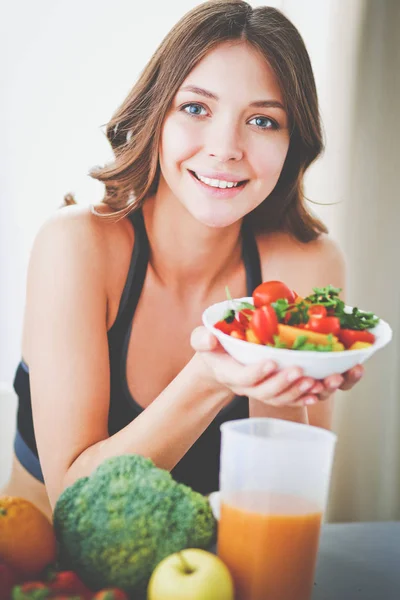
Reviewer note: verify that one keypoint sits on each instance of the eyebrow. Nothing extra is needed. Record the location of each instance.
(257, 103)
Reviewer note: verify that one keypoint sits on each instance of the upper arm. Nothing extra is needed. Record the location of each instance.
(66, 341)
(317, 264)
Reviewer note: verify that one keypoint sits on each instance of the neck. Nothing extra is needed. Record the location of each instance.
(187, 256)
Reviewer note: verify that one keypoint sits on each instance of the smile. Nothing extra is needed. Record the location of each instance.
(217, 183)
(218, 188)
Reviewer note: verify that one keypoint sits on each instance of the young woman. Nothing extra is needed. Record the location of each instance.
(211, 147)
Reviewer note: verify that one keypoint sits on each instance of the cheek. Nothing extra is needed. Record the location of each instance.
(268, 162)
(178, 142)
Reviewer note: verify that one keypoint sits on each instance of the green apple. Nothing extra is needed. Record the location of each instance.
(191, 574)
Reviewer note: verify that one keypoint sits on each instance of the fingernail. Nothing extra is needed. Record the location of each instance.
(305, 385)
(335, 383)
(293, 375)
(318, 387)
(308, 401)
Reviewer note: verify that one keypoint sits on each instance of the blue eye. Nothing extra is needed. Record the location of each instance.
(194, 109)
(265, 123)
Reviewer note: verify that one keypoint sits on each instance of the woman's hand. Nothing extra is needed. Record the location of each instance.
(264, 381)
(338, 382)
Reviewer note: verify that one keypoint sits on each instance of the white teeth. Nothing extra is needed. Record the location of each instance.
(216, 182)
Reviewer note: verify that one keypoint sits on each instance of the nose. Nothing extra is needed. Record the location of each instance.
(224, 143)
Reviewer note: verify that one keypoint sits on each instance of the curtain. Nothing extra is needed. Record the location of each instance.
(366, 478)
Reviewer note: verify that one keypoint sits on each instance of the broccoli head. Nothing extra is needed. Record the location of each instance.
(116, 525)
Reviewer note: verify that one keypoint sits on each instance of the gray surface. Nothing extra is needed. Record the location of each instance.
(359, 561)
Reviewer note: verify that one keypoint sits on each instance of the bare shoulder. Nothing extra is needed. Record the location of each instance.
(78, 224)
(302, 266)
(78, 245)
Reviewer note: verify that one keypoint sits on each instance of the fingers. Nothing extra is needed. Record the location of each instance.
(331, 384)
(338, 382)
(352, 377)
(242, 377)
(287, 387)
(263, 381)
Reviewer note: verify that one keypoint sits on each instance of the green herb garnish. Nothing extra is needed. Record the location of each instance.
(277, 342)
(238, 305)
(358, 320)
(327, 296)
(301, 343)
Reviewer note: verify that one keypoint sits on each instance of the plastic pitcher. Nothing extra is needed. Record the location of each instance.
(274, 483)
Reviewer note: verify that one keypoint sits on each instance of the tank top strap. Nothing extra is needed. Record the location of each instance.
(135, 279)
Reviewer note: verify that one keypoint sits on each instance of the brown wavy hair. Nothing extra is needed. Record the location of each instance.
(134, 130)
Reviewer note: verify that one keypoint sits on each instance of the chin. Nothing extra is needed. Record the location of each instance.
(217, 219)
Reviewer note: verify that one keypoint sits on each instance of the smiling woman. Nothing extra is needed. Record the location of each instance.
(205, 190)
(262, 84)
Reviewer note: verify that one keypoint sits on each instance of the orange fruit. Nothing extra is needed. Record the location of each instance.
(27, 539)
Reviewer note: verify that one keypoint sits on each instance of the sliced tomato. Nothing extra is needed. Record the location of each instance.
(264, 324)
(270, 291)
(349, 336)
(317, 310)
(323, 324)
(229, 326)
(244, 316)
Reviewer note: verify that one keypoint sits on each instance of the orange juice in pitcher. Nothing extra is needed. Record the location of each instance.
(274, 482)
(269, 542)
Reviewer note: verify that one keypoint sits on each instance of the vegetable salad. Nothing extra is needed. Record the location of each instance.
(280, 318)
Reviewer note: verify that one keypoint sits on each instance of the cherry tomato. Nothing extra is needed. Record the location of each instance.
(317, 310)
(323, 324)
(264, 324)
(229, 326)
(349, 336)
(244, 316)
(270, 291)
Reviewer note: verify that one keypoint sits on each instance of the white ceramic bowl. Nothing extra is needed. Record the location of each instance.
(314, 364)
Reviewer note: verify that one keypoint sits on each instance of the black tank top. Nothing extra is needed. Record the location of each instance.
(199, 467)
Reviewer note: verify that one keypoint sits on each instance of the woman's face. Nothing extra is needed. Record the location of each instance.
(227, 126)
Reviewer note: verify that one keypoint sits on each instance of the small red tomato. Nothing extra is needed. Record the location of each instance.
(68, 582)
(349, 336)
(270, 291)
(324, 324)
(229, 326)
(317, 310)
(264, 324)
